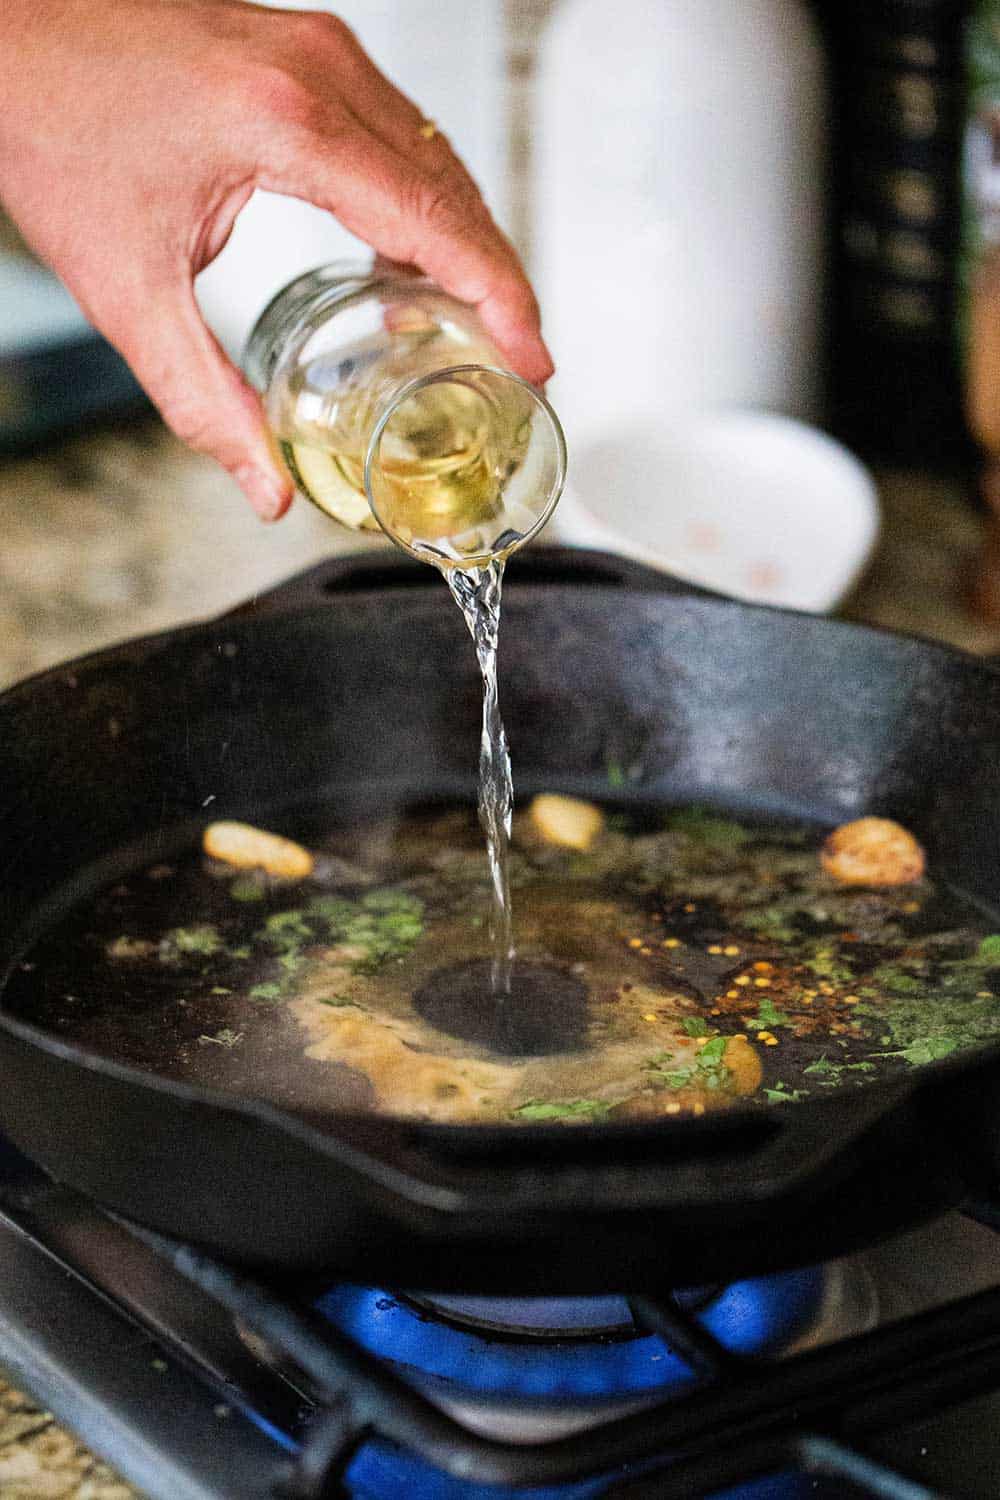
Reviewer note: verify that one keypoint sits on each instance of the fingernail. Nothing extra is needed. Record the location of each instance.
(536, 363)
(266, 494)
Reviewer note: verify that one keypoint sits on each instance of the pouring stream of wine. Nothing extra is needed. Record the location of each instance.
(477, 592)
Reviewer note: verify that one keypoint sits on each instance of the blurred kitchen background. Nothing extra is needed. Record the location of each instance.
(742, 216)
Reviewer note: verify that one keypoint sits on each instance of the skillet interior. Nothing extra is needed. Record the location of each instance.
(685, 963)
(696, 698)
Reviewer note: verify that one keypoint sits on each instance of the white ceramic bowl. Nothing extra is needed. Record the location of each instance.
(758, 506)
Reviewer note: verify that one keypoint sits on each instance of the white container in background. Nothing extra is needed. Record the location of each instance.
(448, 55)
(758, 506)
(678, 197)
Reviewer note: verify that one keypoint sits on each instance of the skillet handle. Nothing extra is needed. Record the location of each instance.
(700, 1199)
(755, 1157)
(389, 572)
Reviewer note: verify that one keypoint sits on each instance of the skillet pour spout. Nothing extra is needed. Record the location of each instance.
(355, 681)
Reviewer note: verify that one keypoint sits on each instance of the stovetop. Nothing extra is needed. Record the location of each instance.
(874, 1375)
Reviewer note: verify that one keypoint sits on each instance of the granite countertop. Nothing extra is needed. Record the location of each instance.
(40, 1461)
(124, 532)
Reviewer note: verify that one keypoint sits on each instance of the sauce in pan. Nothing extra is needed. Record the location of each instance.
(667, 963)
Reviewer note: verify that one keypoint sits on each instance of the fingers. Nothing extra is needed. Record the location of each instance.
(199, 393)
(419, 217)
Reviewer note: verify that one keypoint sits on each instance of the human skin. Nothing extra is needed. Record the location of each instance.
(132, 132)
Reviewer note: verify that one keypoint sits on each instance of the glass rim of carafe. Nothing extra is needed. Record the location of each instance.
(450, 374)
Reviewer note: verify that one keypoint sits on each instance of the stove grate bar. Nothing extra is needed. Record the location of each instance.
(111, 1257)
(751, 1421)
(121, 1390)
(707, 1357)
(819, 1455)
(154, 1418)
(708, 1474)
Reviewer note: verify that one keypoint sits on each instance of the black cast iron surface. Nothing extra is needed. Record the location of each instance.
(357, 679)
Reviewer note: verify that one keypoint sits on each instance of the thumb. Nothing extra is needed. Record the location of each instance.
(201, 395)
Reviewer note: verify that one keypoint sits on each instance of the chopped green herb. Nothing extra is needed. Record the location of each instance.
(219, 989)
(896, 980)
(768, 1015)
(707, 1071)
(384, 923)
(678, 1079)
(390, 900)
(924, 1050)
(564, 1109)
(334, 910)
(695, 1026)
(779, 1094)
(615, 774)
(203, 938)
(833, 1072)
(711, 1053)
(822, 1065)
(955, 1011)
(287, 929)
(989, 948)
(337, 1001)
(266, 992)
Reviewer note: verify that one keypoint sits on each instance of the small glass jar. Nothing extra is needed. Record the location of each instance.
(391, 407)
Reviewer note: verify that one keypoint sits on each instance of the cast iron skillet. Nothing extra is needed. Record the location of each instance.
(359, 673)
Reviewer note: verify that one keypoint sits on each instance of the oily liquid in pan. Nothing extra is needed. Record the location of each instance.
(685, 962)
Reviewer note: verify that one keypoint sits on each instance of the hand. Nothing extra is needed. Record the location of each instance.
(132, 132)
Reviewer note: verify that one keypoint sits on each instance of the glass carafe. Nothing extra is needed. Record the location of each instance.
(391, 407)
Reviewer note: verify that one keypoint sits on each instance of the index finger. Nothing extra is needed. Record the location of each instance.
(421, 220)
(482, 268)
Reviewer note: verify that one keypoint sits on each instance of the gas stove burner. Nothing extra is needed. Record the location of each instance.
(516, 1371)
(529, 1318)
(556, 1319)
(544, 1011)
(582, 1352)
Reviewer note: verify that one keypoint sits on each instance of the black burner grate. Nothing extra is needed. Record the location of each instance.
(811, 1412)
(131, 1339)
